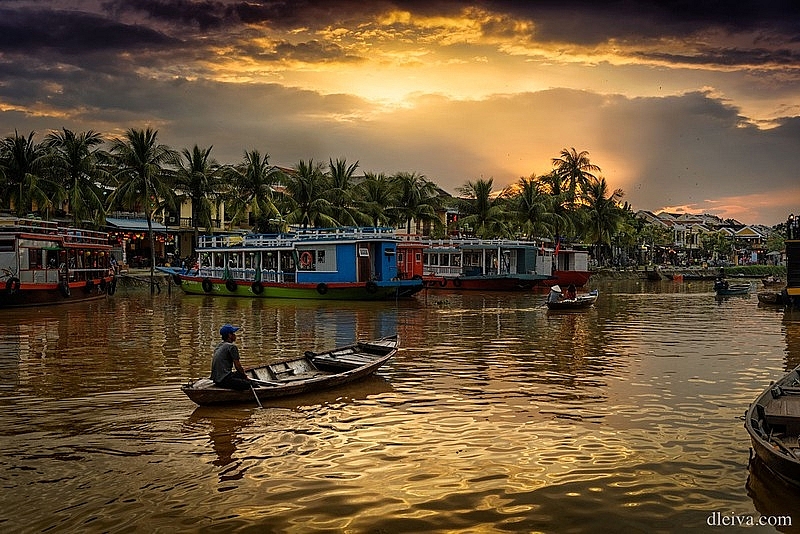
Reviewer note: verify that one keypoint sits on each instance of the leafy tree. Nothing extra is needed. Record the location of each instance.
(25, 185)
(252, 190)
(481, 212)
(603, 215)
(76, 161)
(200, 179)
(575, 171)
(143, 179)
(417, 200)
(341, 194)
(374, 197)
(530, 207)
(306, 189)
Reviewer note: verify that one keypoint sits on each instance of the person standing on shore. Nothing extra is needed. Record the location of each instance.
(226, 358)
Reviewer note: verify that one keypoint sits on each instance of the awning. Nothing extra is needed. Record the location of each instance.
(133, 225)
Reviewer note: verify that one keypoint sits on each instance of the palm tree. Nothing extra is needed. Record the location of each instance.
(252, 190)
(375, 196)
(75, 160)
(26, 186)
(199, 178)
(603, 214)
(341, 193)
(306, 189)
(417, 200)
(479, 211)
(143, 180)
(531, 208)
(575, 171)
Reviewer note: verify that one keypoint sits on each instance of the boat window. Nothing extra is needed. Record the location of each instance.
(445, 260)
(455, 260)
(418, 257)
(6, 245)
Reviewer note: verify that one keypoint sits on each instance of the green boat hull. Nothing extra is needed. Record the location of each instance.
(321, 291)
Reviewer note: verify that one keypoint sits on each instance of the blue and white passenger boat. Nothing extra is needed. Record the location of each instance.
(336, 264)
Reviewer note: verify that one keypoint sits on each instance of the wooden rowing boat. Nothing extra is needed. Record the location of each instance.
(580, 302)
(311, 372)
(723, 289)
(773, 422)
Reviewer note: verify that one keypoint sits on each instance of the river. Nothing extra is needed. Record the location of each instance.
(495, 416)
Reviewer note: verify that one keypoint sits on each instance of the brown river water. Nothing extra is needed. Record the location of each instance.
(495, 416)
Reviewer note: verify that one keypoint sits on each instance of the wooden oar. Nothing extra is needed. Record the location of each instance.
(256, 396)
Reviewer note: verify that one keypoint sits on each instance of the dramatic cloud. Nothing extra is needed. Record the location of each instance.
(685, 106)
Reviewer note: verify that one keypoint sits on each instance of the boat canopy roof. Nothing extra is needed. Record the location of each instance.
(289, 239)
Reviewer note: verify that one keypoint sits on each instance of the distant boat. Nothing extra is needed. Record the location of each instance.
(773, 423)
(472, 264)
(773, 282)
(723, 288)
(43, 263)
(320, 264)
(310, 372)
(580, 302)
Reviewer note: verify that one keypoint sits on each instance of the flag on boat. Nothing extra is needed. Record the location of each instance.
(558, 247)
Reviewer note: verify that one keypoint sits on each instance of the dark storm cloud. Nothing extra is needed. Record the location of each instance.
(31, 31)
(206, 15)
(591, 22)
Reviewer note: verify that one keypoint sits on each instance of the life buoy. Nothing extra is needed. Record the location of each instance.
(207, 285)
(306, 259)
(257, 288)
(12, 285)
(64, 288)
(322, 289)
(231, 286)
(442, 282)
(177, 279)
(371, 287)
(89, 286)
(457, 282)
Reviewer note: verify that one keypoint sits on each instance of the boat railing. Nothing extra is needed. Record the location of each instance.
(267, 275)
(440, 270)
(286, 239)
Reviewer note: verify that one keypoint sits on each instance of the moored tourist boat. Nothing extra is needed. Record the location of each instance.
(472, 264)
(313, 371)
(773, 423)
(43, 263)
(331, 264)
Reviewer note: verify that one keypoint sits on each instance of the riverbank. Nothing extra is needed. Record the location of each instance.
(744, 271)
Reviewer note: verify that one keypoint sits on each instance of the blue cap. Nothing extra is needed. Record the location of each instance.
(227, 329)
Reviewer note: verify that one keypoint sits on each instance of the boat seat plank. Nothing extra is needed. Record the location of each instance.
(783, 411)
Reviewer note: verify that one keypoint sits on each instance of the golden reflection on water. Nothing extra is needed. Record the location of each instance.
(496, 415)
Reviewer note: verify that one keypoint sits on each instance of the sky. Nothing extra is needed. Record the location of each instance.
(687, 106)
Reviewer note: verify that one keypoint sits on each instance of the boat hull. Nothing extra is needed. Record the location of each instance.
(40, 294)
(566, 278)
(774, 429)
(312, 372)
(484, 283)
(581, 302)
(193, 285)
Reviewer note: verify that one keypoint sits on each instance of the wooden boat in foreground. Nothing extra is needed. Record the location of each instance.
(773, 422)
(723, 289)
(578, 303)
(311, 372)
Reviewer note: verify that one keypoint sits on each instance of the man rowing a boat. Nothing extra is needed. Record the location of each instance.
(226, 357)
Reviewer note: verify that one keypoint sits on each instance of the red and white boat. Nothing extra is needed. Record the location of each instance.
(43, 263)
(568, 266)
